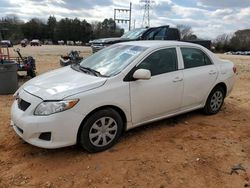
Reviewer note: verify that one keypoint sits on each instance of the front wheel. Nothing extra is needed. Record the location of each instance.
(215, 101)
(101, 130)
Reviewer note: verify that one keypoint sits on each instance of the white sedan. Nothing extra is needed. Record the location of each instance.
(119, 88)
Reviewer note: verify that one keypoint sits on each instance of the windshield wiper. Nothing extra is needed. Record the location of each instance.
(94, 72)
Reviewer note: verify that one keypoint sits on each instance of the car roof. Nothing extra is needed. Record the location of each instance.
(159, 43)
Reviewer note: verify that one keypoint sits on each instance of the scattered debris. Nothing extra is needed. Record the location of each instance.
(247, 184)
(48, 184)
(179, 147)
(135, 159)
(237, 167)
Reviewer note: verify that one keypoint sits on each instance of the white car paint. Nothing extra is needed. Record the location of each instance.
(61, 83)
(141, 101)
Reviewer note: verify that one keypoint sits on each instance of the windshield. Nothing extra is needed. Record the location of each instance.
(134, 34)
(112, 60)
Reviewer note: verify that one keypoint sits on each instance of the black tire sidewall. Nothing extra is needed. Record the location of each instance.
(207, 108)
(84, 134)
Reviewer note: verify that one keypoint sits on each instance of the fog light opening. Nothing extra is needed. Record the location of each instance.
(45, 136)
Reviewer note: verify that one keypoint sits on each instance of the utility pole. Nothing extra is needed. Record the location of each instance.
(129, 11)
(146, 15)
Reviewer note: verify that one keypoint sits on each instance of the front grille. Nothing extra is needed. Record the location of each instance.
(22, 104)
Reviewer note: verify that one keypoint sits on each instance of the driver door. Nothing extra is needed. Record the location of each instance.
(162, 94)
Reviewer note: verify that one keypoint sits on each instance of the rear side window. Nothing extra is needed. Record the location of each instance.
(161, 61)
(194, 58)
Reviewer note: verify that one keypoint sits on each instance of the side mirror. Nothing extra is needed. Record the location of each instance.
(142, 74)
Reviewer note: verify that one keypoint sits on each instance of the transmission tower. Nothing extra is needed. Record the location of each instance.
(146, 15)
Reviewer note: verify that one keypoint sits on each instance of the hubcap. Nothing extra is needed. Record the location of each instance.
(216, 100)
(103, 131)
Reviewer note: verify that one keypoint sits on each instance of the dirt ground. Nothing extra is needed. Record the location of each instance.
(191, 150)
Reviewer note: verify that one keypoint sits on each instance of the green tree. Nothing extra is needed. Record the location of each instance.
(51, 25)
(10, 27)
(34, 29)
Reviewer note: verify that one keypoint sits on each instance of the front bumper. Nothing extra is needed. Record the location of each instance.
(62, 126)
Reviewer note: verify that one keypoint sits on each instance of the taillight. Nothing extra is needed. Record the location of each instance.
(234, 69)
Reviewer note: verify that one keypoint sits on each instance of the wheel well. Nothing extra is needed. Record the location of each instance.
(224, 87)
(120, 111)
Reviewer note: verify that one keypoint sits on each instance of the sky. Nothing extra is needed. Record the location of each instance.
(208, 18)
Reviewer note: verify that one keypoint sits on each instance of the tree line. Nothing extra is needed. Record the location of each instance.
(238, 41)
(12, 28)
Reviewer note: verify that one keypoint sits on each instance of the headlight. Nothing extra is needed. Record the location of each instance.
(50, 107)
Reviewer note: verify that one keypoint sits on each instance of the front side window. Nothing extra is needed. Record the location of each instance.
(112, 60)
(194, 58)
(161, 61)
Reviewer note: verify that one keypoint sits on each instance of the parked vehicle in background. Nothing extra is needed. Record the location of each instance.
(228, 53)
(60, 42)
(70, 43)
(238, 53)
(205, 43)
(93, 102)
(7, 43)
(154, 33)
(35, 42)
(48, 42)
(78, 43)
(24, 42)
(89, 43)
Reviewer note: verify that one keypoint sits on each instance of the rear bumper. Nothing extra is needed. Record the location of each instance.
(230, 83)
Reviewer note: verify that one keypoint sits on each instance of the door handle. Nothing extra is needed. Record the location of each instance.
(212, 72)
(177, 79)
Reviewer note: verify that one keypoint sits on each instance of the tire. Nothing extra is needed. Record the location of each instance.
(97, 126)
(214, 101)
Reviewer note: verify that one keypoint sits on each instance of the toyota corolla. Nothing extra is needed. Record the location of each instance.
(120, 87)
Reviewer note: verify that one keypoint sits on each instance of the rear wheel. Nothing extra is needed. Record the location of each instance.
(101, 130)
(215, 101)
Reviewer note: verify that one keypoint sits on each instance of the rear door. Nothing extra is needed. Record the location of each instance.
(199, 76)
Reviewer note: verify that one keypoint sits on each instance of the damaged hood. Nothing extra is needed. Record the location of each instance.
(61, 83)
